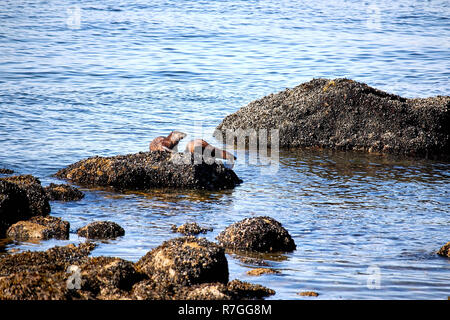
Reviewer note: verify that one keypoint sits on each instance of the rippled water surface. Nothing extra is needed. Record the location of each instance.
(88, 78)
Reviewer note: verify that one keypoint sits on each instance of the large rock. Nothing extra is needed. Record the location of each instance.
(146, 170)
(186, 261)
(347, 115)
(39, 228)
(21, 197)
(261, 234)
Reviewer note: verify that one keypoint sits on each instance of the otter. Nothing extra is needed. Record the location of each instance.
(168, 143)
(213, 151)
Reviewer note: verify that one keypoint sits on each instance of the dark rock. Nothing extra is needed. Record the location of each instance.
(146, 170)
(101, 230)
(190, 229)
(445, 250)
(63, 192)
(21, 197)
(347, 115)
(39, 228)
(185, 261)
(262, 234)
(6, 171)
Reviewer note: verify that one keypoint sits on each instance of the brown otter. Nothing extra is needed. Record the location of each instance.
(196, 144)
(168, 143)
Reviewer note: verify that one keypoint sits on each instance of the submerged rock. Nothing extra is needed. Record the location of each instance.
(262, 234)
(39, 228)
(308, 294)
(146, 170)
(347, 115)
(21, 197)
(190, 229)
(445, 250)
(186, 261)
(101, 230)
(261, 271)
(63, 192)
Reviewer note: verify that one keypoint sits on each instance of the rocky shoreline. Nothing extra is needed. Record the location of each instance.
(185, 267)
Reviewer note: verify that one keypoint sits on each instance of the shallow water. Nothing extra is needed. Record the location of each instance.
(366, 226)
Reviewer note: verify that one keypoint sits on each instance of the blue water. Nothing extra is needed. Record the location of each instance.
(86, 78)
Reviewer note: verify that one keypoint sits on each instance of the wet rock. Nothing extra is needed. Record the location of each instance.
(39, 228)
(347, 115)
(262, 234)
(185, 261)
(63, 192)
(445, 250)
(190, 229)
(6, 171)
(147, 170)
(261, 271)
(21, 197)
(233, 290)
(101, 230)
(308, 294)
(48, 274)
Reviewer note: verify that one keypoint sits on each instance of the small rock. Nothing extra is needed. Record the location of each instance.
(190, 229)
(262, 234)
(445, 250)
(63, 192)
(308, 294)
(6, 171)
(39, 228)
(186, 261)
(261, 271)
(101, 230)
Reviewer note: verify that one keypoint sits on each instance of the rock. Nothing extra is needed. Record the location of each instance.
(190, 229)
(308, 294)
(185, 261)
(21, 197)
(48, 274)
(347, 115)
(101, 230)
(39, 228)
(445, 250)
(262, 234)
(146, 170)
(233, 290)
(261, 271)
(6, 171)
(63, 192)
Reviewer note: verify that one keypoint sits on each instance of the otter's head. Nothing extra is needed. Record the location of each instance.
(177, 135)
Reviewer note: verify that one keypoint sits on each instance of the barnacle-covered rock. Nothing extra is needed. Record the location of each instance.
(343, 114)
(147, 170)
(262, 234)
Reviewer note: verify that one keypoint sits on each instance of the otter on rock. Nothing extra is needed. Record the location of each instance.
(196, 144)
(167, 143)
